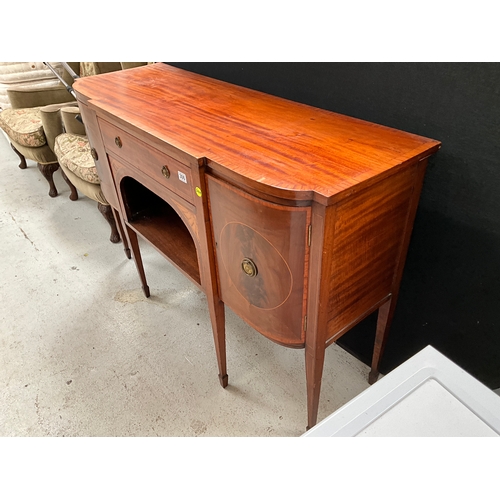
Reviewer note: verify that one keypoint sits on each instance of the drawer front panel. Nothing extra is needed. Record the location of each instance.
(262, 253)
(169, 172)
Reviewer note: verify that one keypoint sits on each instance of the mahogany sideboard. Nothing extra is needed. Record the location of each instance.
(296, 218)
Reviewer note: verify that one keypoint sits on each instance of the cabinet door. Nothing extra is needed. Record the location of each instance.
(262, 253)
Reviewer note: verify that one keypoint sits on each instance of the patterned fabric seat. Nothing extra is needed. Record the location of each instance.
(24, 126)
(40, 115)
(31, 122)
(73, 153)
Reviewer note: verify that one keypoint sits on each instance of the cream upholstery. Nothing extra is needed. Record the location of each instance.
(21, 74)
(76, 162)
(24, 126)
(34, 126)
(73, 154)
(92, 191)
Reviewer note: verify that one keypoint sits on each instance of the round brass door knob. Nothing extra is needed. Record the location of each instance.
(118, 142)
(165, 171)
(249, 267)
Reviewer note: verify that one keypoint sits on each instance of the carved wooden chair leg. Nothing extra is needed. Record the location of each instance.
(22, 165)
(107, 213)
(47, 171)
(74, 193)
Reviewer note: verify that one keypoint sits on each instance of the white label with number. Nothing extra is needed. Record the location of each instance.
(182, 177)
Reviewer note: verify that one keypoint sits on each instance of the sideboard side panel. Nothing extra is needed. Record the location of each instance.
(94, 135)
(369, 231)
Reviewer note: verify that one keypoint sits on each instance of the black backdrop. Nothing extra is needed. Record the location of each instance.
(450, 293)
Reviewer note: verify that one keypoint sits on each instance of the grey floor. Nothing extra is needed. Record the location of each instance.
(83, 353)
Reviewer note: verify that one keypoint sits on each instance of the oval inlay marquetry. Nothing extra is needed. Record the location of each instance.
(272, 285)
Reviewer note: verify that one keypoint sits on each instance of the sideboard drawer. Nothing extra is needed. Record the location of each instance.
(170, 172)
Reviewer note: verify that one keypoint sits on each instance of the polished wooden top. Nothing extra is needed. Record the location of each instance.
(282, 148)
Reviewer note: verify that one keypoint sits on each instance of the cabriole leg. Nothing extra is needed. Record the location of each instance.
(107, 213)
(47, 171)
(74, 193)
(22, 165)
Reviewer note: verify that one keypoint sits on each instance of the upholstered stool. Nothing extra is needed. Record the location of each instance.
(78, 170)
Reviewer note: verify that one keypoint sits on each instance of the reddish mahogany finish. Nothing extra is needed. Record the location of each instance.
(274, 239)
(297, 218)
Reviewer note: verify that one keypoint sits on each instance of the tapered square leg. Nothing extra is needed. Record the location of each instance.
(315, 358)
(218, 320)
(385, 315)
(123, 234)
(136, 253)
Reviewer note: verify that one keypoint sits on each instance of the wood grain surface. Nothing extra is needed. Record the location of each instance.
(297, 218)
(286, 149)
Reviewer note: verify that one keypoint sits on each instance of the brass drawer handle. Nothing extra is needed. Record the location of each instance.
(94, 155)
(165, 171)
(249, 267)
(118, 142)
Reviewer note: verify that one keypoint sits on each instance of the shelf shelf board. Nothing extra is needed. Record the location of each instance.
(170, 237)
